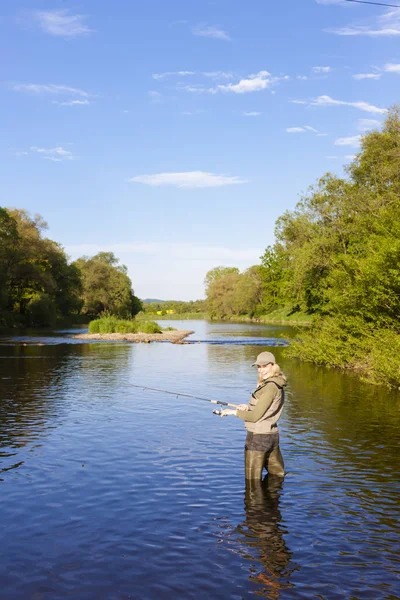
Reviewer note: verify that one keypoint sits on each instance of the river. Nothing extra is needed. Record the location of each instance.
(113, 492)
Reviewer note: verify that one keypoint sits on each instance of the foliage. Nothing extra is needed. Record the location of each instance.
(177, 307)
(106, 286)
(230, 292)
(34, 272)
(111, 324)
(336, 258)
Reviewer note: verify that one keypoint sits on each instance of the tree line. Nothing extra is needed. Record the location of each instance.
(336, 257)
(38, 283)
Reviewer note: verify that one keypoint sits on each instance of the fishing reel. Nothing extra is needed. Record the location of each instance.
(217, 411)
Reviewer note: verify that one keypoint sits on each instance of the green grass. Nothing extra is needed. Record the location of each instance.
(111, 324)
(174, 317)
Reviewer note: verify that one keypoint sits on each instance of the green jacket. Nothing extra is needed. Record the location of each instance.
(265, 406)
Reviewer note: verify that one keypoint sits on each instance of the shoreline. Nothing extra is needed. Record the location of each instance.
(175, 337)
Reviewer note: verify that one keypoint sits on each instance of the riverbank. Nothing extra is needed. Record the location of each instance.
(281, 316)
(175, 337)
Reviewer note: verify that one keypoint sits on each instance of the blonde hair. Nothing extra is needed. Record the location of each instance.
(275, 370)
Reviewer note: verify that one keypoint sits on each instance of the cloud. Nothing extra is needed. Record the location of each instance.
(218, 74)
(320, 70)
(302, 77)
(367, 76)
(51, 88)
(252, 83)
(57, 154)
(392, 68)
(367, 124)
(388, 26)
(72, 103)
(303, 129)
(295, 130)
(190, 179)
(60, 23)
(251, 114)
(328, 101)
(349, 141)
(173, 74)
(211, 31)
(155, 97)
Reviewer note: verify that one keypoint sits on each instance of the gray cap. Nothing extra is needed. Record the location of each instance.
(264, 358)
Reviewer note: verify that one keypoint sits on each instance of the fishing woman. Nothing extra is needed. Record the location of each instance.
(261, 417)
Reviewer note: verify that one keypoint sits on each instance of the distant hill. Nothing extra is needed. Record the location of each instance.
(153, 301)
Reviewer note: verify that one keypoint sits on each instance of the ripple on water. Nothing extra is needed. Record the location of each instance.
(114, 492)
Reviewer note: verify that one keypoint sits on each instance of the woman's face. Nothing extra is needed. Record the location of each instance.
(264, 370)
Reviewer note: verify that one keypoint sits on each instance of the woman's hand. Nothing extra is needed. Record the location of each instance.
(243, 407)
(228, 412)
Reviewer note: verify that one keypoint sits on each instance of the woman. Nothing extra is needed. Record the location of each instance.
(261, 417)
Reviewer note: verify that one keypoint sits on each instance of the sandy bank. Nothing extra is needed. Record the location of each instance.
(176, 337)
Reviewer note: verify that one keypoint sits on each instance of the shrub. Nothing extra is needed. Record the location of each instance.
(111, 324)
(41, 311)
(149, 327)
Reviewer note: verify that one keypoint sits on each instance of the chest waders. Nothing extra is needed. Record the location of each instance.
(268, 453)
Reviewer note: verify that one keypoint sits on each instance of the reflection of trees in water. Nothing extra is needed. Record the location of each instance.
(37, 384)
(231, 359)
(357, 419)
(260, 539)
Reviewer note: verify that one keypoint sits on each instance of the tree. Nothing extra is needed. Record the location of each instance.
(106, 286)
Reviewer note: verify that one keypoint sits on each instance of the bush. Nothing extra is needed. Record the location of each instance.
(41, 311)
(149, 327)
(111, 324)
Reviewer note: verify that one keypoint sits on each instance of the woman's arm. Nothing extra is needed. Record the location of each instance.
(264, 400)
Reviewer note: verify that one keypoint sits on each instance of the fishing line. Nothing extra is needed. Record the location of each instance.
(177, 394)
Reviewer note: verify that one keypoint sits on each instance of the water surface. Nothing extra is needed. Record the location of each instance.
(111, 491)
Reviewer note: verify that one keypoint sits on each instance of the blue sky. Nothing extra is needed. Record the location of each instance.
(175, 133)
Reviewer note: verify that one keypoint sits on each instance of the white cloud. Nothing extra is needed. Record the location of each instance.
(388, 26)
(218, 74)
(72, 103)
(51, 88)
(302, 77)
(190, 179)
(173, 74)
(350, 156)
(349, 141)
(252, 83)
(303, 129)
(328, 101)
(155, 97)
(295, 130)
(367, 76)
(320, 70)
(367, 124)
(392, 68)
(253, 113)
(211, 31)
(59, 22)
(57, 154)
(208, 74)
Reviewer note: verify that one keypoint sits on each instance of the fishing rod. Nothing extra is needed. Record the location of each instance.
(215, 412)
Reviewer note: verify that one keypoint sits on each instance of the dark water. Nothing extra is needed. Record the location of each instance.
(112, 492)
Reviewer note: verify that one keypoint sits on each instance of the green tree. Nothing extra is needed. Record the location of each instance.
(106, 286)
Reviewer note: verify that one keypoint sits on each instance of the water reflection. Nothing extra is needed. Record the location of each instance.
(261, 538)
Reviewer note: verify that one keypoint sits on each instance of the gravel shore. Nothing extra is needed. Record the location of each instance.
(176, 337)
